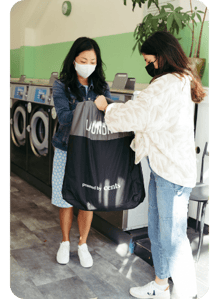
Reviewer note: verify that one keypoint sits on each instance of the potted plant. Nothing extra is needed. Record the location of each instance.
(173, 20)
(196, 61)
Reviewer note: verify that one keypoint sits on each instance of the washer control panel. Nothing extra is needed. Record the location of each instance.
(20, 92)
(40, 95)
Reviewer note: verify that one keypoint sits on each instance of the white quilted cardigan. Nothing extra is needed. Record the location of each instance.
(162, 119)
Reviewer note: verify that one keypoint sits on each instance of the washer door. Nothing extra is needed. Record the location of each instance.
(39, 133)
(19, 125)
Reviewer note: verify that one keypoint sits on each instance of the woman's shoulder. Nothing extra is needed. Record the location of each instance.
(173, 78)
(58, 87)
(179, 77)
(168, 77)
(58, 83)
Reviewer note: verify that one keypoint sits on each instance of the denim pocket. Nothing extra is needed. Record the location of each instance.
(178, 189)
(181, 189)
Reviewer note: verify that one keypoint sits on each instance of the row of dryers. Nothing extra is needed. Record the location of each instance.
(33, 122)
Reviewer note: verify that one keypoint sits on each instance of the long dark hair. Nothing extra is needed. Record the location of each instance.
(172, 59)
(68, 73)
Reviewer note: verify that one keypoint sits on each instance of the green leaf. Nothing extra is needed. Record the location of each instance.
(160, 16)
(169, 5)
(136, 30)
(156, 17)
(200, 11)
(134, 47)
(147, 23)
(178, 9)
(125, 2)
(178, 20)
(149, 17)
(187, 17)
(176, 27)
(199, 17)
(169, 21)
(139, 47)
(134, 4)
(149, 3)
(154, 24)
(162, 9)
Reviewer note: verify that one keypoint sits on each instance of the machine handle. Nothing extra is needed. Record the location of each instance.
(28, 128)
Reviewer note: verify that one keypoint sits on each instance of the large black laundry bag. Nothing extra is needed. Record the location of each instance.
(100, 174)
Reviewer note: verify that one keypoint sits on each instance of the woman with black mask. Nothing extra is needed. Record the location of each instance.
(162, 118)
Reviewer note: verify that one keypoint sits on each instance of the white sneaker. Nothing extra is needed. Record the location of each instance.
(150, 291)
(63, 254)
(84, 255)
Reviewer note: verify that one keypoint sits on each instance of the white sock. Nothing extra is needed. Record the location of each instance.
(161, 287)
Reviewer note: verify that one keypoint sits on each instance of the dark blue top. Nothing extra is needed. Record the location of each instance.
(65, 108)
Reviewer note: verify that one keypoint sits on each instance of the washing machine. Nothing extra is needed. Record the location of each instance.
(42, 123)
(18, 121)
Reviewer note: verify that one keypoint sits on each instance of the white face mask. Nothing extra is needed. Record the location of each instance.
(84, 70)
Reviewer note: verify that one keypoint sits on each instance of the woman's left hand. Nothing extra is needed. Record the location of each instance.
(101, 103)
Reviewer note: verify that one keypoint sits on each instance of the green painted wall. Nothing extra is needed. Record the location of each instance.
(15, 63)
(22, 62)
(117, 54)
(39, 62)
(204, 50)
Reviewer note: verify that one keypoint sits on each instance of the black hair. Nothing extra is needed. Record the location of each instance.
(68, 73)
(172, 59)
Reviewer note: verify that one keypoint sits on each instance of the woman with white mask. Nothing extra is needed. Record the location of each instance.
(82, 78)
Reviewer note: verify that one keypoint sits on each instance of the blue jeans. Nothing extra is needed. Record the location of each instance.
(167, 230)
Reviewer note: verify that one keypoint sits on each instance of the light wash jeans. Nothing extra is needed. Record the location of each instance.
(167, 230)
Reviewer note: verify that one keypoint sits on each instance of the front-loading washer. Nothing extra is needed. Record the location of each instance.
(18, 121)
(41, 123)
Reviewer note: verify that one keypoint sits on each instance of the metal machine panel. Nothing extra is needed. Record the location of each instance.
(202, 136)
(41, 126)
(18, 120)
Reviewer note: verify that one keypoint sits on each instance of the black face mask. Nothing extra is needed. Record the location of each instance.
(151, 70)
